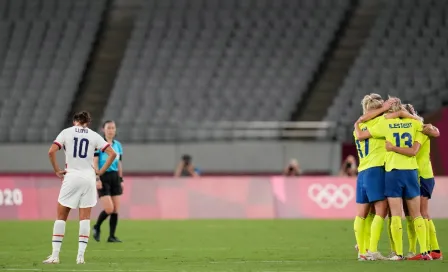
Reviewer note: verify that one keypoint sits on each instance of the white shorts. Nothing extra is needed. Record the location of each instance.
(77, 192)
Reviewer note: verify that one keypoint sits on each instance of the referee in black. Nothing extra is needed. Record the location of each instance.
(109, 185)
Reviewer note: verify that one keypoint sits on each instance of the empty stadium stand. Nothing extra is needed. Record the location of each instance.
(196, 61)
(107, 53)
(339, 59)
(191, 69)
(44, 47)
(406, 55)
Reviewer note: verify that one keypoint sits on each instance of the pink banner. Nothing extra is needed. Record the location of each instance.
(31, 198)
(314, 197)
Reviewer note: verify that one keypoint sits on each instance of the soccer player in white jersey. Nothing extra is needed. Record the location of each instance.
(78, 188)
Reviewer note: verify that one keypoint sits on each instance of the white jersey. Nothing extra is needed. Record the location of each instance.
(79, 144)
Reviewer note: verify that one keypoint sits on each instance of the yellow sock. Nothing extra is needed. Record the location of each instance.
(367, 229)
(376, 229)
(420, 231)
(428, 239)
(433, 237)
(359, 234)
(412, 238)
(397, 234)
(389, 233)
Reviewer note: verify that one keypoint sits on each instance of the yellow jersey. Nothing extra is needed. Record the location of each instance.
(401, 133)
(423, 156)
(371, 152)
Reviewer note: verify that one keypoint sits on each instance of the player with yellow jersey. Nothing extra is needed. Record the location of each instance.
(370, 183)
(410, 227)
(421, 149)
(401, 178)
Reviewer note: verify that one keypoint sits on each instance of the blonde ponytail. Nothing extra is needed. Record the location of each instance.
(370, 102)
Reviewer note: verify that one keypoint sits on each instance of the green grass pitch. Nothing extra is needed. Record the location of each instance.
(205, 245)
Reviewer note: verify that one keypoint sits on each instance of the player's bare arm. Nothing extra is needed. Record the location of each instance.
(95, 163)
(52, 155)
(431, 130)
(374, 113)
(99, 185)
(401, 114)
(361, 134)
(110, 159)
(410, 152)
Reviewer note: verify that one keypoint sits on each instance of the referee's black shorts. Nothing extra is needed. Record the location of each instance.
(111, 184)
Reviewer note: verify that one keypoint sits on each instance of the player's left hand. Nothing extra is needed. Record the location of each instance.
(427, 128)
(61, 174)
(388, 146)
(388, 103)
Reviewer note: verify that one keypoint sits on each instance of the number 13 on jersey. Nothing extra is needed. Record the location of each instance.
(359, 147)
(405, 136)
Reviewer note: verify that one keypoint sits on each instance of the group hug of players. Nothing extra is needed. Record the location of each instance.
(395, 174)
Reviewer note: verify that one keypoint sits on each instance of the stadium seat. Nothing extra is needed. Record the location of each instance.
(218, 60)
(44, 47)
(404, 56)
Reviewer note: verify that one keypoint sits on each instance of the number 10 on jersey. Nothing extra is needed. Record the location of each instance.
(81, 150)
(366, 148)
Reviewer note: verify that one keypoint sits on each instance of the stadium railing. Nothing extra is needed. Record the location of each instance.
(253, 129)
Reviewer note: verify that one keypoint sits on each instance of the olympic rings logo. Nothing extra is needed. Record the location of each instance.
(330, 195)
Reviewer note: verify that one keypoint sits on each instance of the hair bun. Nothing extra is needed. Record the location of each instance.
(82, 117)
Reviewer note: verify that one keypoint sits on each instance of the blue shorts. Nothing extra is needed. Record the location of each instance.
(426, 187)
(370, 185)
(402, 184)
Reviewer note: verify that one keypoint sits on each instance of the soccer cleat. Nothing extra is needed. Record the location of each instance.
(80, 260)
(391, 255)
(362, 257)
(375, 256)
(396, 258)
(51, 260)
(113, 240)
(96, 234)
(410, 255)
(421, 257)
(436, 255)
